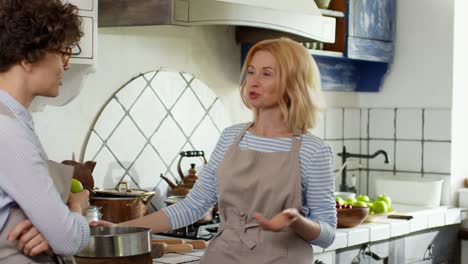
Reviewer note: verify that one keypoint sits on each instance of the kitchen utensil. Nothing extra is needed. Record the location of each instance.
(197, 244)
(403, 217)
(83, 172)
(351, 217)
(111, 242)
(140, 259)
(122, 205)
(193, 153)
(185, 185)
(93, 214)
(175, 248)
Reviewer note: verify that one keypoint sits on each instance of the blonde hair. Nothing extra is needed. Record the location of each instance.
(300, 96)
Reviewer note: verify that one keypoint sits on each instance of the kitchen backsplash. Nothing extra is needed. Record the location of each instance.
(143, 127)
(417, 141)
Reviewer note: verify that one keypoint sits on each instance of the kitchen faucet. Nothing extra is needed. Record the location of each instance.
(345, 155)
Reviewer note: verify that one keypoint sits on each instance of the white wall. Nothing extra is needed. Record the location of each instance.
(209, 53)
(460, 96)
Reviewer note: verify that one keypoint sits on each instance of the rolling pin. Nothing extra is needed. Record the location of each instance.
(159, 248)
(197, 244)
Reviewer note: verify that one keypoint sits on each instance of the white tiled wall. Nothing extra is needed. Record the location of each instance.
(417, 141)
(145, 125)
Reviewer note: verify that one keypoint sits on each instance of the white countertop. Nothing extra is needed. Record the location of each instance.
(380, 229)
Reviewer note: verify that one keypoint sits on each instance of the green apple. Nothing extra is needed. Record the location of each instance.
(339, 200)
(360, 204)
(76, 186)
(350, 201)
(363, 198)
(370, 204)
(380, 207)
(384, 198)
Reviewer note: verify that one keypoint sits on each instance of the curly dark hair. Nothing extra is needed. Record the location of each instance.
(30, 29)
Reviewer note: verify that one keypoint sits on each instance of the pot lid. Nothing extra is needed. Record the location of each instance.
(118, 191)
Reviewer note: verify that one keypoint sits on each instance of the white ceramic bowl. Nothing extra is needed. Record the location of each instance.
(345, 195)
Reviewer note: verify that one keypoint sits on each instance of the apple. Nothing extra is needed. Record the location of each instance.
(370, 204)
(339, 200)
(380, 207)
(350, 201)
(384, 198)
(360, 204)
(363, 198)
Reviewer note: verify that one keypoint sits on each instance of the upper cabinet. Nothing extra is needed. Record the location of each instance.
(371, 29)
(362, 52)
(298, 17)
(85, 51)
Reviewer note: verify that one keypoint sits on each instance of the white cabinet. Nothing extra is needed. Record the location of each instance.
(210, 12)
(87, 5)
(86, 50)
(433, 246)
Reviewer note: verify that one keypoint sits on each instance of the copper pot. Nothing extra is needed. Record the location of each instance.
(119, 205)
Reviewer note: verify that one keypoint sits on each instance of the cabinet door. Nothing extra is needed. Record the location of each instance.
(86, 5)
(324, 258)
(371, 19)
(352, 255)
(85, 49)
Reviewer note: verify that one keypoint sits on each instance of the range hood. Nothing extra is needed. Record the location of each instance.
(297, 17)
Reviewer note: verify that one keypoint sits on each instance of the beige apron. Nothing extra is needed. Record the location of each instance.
(61, 175)
(252, 181)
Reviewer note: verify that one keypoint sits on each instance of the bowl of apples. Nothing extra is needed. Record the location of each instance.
(380, 207)
(350, 214)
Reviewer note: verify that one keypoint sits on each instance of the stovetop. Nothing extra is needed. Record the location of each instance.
(205, 231)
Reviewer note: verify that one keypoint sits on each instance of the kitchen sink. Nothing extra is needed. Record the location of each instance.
(420, 192)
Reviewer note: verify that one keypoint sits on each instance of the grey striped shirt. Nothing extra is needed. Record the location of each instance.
(318, 202)
(25, 182)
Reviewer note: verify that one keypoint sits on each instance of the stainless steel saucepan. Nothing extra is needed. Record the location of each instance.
(110, 242)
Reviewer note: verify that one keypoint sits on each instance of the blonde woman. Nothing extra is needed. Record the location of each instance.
(271, 178)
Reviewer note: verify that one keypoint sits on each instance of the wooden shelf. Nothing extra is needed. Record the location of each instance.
(327, 53)
(332, 13)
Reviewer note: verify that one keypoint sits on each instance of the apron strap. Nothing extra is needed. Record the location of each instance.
(241, 134)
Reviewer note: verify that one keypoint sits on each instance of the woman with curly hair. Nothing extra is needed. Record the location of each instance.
(36, 38)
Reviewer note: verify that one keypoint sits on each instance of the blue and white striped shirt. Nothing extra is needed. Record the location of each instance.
(25, 181)
(318, 202)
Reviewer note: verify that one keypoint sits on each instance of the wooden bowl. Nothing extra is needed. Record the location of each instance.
(351, 217)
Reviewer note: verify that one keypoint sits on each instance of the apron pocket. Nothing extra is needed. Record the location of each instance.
(276, 243)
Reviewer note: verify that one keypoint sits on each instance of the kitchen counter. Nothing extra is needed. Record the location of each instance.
(380, 229)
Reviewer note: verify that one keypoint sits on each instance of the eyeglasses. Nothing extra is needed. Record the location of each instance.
(66, 55)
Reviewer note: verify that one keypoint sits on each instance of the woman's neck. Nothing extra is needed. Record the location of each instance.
(270, 124)
(13, 83)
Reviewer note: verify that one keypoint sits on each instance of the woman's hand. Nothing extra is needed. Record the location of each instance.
(30, 241)
(101, 223)
(279, 221)
(79, 202)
